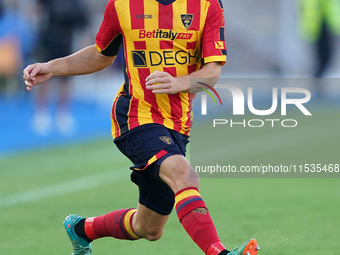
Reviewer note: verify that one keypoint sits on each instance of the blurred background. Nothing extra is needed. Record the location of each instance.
(56, 151)
(265, 38)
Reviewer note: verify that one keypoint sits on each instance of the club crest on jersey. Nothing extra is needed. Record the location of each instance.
(187, 20)
(166, 139)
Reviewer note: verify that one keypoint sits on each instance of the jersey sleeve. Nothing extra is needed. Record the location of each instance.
(109, 37)
(214, 48)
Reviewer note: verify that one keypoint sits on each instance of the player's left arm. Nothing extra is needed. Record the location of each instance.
(164, 83)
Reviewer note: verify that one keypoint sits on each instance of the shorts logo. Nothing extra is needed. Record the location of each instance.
(187, 20)
(138, 57)
(166, 139)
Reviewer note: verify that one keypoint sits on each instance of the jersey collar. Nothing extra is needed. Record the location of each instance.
(165, 2)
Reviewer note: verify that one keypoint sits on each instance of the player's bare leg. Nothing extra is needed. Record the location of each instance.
(191, 210)
(129, 224)
(178, 174)
(148, 224)
(117, 224)
(133, 224)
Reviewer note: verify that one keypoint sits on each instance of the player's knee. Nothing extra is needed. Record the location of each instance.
(185, 177)
(189, 179)
(178, 174)
(153, 237)
(153, 234)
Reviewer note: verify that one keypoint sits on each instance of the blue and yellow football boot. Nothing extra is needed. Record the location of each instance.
(80, 245)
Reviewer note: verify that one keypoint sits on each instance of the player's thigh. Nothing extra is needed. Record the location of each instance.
(178, 174)
(149, 224)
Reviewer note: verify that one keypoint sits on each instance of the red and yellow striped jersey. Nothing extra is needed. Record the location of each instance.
(173, 36)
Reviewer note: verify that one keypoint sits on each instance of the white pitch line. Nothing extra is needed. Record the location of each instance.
(88, 182)
(229, 151)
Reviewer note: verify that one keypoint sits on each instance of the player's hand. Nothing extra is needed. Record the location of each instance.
(36, 74)
(164, 83)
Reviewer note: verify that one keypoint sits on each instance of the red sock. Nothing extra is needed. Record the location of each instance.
(117, 224)
(194, 216)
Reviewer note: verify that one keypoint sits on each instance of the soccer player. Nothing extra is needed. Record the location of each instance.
(166, 43)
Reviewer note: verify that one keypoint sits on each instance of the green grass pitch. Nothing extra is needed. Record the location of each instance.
(38, 189)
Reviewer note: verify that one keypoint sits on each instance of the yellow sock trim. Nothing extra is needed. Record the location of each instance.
(127, 224)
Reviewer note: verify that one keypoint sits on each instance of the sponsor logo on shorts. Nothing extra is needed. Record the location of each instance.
(166, 139)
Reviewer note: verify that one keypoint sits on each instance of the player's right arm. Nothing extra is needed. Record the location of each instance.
(85, 61)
